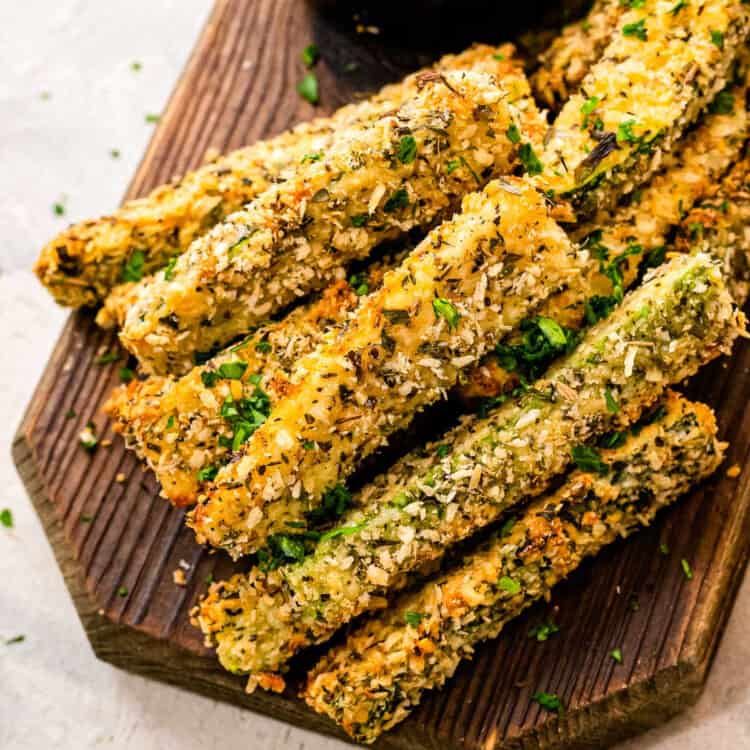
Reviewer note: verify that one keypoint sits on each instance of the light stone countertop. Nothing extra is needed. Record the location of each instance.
(56, 148)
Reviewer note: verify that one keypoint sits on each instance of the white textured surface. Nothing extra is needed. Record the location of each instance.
(55, 694)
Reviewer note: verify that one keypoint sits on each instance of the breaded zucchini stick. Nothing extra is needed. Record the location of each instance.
(84, 262)
(719, 225)
(378, 181)
(186, 428)
(377, 677)
(638, 233)
(471, 280)
(440, 494)
(665, 64)
(567, 60)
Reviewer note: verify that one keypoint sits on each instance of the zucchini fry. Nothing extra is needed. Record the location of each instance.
(567, 60)
(84, 262)
(444, 492)
(186, 428)
(719, 225)
(378, 181)
(663, 66)
(377, 677)
(469, 282)
(636, 237)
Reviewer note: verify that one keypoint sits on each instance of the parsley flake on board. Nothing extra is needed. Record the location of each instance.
(88, 438)
(543, 630)
(152, 118)
(307, 88)
(549, 701)
(310, 55)
(14, 640)
(107, 358)
(686, 569)
(616, 654)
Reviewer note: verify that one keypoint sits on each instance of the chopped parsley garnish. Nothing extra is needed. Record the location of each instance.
(152, 118)
(126, 374)
(359, 220)
(169, 268)
(310, 55)
(6, 518)
(542, 339)
(442, 451)
(452, 165)
(264, 347)
(678, 7)
(507, 527)
(107, 358)
(625, 132)
(413, 619)
(513, 133)
(207, 474)
(246, 415)
(358, 283)
(317, 156)
(14, 640)
(58, 208)
(587, 109)
(45, 96)
(637, 29)
(633, 3)
(530, 160)
(88, 438)
(133, 268)
(686, 569)
(616, 654)
(136, 66)
(613, 439)
(444, 309)
(307, 88)
(170, 422)
(543, 630)
(723, 104)
(717, 37)
(123, 591)
(508, 584)
(407, 149)
(612, 406)
(548, 701)
(308, 445)
(399, 199)
(225, 371)
(86, 518)
(115, 153)
(499, 57)
(285, 548)
(341, 531)
(350, 67)
(664, 548)
(332, 505)
(598, 307)
(588, 459)
(70, 414)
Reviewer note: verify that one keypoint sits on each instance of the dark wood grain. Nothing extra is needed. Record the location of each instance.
(118, 544)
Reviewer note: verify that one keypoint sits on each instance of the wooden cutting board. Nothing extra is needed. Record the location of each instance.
(118, 544)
